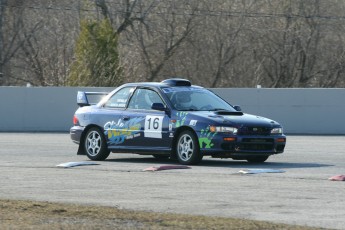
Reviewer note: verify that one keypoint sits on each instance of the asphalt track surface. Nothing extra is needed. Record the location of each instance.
(301, 195)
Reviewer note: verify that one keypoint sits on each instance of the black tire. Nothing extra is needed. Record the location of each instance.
(257, 159)
(95, 146)
(187, 148)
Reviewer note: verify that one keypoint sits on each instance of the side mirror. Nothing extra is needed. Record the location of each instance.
(237, 108)
(158, 106)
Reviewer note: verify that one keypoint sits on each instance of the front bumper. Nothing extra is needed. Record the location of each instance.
(244, 146)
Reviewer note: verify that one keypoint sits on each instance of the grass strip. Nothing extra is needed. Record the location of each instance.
(18, 214)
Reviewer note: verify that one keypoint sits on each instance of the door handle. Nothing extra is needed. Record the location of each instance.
(125, 118)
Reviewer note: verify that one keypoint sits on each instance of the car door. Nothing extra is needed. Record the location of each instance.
(153, 131)
(111, 117)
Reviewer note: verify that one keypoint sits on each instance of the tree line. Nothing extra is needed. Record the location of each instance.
(218, 43)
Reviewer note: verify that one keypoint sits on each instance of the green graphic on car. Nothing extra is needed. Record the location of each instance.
(205, 139)
(181, 118)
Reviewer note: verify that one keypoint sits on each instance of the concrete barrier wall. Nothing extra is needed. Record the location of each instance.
(39, 109)
(300, 111)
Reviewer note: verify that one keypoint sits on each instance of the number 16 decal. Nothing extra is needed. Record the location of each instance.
(153, 126)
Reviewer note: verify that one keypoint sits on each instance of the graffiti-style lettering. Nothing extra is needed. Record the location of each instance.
(118, 132)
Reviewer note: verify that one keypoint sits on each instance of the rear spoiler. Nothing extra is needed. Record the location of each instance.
(83, 99)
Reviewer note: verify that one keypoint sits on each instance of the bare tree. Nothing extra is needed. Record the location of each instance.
(166, 37)
(292, 53)
(224, 37)
(219, 43)
(10, 29)
(46, 50)
(2, 16)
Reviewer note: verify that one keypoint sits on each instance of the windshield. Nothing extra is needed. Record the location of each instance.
(196, 99)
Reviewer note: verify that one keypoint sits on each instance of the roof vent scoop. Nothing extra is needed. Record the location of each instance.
(177, 82)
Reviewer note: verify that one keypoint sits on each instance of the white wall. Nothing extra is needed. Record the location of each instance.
(300, 111)
(36, 109)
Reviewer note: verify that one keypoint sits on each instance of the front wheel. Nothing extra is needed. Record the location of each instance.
(187, 148)
(257, 159)
(95, 145)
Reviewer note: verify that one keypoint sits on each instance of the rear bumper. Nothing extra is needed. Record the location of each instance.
(75, 133)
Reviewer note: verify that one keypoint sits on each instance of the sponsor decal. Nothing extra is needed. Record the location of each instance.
(193, 122)
(118, 132)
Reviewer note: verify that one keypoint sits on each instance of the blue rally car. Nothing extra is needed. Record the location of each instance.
(172, 119)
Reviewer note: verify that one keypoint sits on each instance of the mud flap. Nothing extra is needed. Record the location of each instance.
(80, 150)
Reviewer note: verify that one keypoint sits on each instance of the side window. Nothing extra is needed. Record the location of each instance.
(119, 99)
(143, 99)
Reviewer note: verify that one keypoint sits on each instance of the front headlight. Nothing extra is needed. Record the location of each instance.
(221, 129)
(277, 131)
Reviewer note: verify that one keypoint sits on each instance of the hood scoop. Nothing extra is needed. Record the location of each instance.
(226, 112)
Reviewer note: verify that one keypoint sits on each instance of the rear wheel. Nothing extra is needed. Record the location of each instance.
(257, 159)
(95, 146)
(187, 148)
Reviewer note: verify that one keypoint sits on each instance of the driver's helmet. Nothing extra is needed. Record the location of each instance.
(183, 100)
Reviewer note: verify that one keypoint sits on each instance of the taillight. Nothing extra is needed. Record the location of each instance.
(75, 120)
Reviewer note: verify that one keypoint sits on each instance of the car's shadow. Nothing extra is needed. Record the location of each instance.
(225, 163)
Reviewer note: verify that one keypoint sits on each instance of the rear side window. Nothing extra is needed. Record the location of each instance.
(143, 99)
(120, 98)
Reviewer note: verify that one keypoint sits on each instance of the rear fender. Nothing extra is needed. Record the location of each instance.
(81, 150)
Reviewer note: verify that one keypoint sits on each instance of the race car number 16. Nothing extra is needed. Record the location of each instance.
(153, 126)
